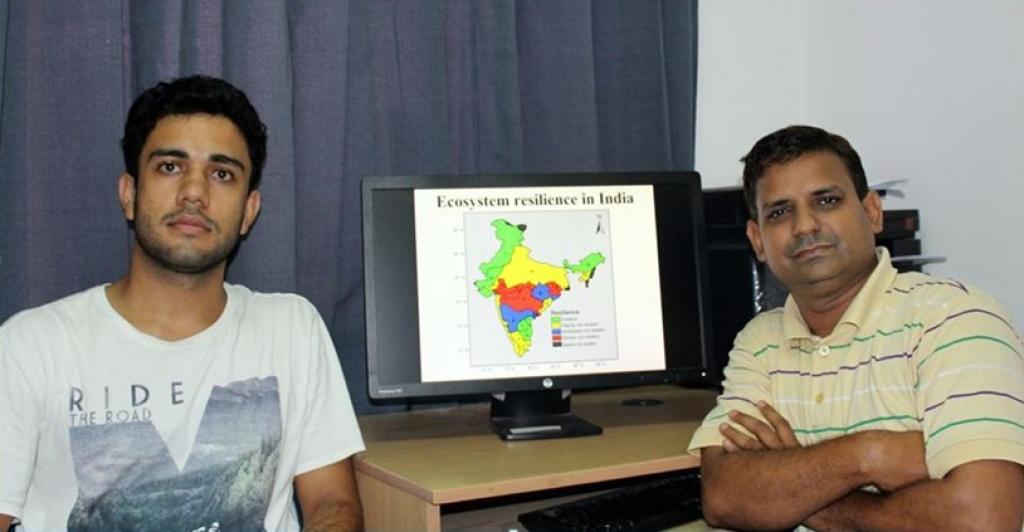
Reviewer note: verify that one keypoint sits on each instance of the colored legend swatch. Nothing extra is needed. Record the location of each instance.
(556, 331)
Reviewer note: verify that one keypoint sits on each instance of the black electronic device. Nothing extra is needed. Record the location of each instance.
(525, 287)
(899, 235)
(899, 223)
(650, 505)
(742, 285)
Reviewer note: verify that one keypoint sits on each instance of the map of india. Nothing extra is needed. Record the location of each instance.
(523, 288)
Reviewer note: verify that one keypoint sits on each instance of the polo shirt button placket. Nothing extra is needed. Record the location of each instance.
(819, 397)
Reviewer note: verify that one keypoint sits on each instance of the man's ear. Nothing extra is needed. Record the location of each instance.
(872, 203)
(126, 194)
(754, 235)
(252, 209)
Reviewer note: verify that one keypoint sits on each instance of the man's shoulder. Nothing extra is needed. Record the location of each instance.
(940, 294)
(944, 308)
(918, 283)
(271, 302)
(48, 317)
(766, 326)
(767, 319)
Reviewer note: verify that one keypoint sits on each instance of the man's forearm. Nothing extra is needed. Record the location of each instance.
(336, 516)
(779, 488)
(329, 498)
(874, 511)
(984, 495)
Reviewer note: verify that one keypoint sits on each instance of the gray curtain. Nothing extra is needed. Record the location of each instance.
(348, 89)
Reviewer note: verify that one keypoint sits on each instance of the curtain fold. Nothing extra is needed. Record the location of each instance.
(60, 225)
(347, 89)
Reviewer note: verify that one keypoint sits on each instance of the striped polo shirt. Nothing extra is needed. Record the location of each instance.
(912, 352)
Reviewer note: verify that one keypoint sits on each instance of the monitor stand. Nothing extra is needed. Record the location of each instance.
(537, 415)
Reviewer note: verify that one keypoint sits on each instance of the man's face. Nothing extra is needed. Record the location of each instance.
(190, 201)
(815, 234)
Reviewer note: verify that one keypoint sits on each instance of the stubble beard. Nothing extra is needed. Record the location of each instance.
(180, 258)
(794, 274)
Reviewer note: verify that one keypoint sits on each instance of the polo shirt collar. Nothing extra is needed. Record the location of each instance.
(884, 275)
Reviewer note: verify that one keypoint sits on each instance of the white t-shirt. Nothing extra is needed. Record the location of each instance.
(104, 427)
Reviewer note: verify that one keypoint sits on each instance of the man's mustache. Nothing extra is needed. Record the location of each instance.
(173, 217)
(809, 241)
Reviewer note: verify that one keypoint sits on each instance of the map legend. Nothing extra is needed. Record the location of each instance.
(556, 331)
(571, 329)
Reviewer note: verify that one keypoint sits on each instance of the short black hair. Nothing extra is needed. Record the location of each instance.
(791, 142)
(189, 96)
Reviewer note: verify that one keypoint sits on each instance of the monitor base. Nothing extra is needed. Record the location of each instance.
(537, 415)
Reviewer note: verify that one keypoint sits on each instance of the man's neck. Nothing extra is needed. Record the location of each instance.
(822, 309)
(167, 304)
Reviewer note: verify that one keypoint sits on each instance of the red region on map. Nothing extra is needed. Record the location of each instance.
(519, 297)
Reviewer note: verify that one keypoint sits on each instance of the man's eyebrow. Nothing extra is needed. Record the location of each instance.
(776, 203)
(167, 152)
(225, 159)
(182, 154)
(832, 189)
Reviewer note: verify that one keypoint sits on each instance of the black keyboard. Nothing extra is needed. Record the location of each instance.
(650, 505)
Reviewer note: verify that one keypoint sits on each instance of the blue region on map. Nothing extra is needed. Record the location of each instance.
(542, 292)
(513, 317)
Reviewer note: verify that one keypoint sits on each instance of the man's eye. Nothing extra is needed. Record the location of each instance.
(775, 214)
(223, 175)
(829, 200)
(167, 167)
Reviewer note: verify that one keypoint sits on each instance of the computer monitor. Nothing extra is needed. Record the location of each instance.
(526, 287)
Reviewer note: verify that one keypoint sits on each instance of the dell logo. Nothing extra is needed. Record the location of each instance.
(547, 382)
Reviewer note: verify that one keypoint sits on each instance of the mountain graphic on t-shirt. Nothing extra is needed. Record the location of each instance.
(127, 479)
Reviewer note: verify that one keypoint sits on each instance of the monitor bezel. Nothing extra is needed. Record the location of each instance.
(695, 376)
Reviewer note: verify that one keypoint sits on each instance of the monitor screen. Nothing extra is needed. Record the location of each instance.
(506, 283)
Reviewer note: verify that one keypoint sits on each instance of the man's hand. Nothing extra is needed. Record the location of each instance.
(776, 434)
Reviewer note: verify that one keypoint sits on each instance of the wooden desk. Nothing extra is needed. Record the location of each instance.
(417, 461)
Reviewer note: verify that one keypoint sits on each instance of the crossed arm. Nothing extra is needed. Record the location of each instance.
(768, 481)
(329, 498)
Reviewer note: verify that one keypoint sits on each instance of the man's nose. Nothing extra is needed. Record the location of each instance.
(805, 221)
(194, 187)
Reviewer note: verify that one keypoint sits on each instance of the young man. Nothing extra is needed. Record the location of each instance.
(169, 399)
(872, 400)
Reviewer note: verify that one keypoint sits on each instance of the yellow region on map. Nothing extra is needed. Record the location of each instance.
(522, 269)
(519, 343)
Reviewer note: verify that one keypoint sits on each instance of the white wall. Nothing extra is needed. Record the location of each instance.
(929, 91)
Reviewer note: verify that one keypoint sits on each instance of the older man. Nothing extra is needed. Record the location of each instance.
(872, 399)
